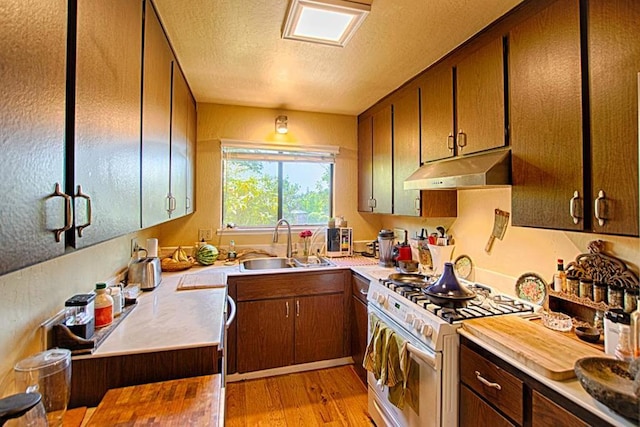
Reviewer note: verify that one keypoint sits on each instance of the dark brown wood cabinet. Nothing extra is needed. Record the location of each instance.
(180, 99)
(480, 99)
(382, 143)
(495, 393)
(365, 163)
(286, 319)
(406, 151)
(437, 113)
(359, 323)
(546, 119)
(104, 136)
(32, 135)
(614, 66)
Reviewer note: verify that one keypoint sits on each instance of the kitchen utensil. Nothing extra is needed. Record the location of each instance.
(609, 382)
(588, 334)
(385, 248)
(409, 279)
(48, 373)
(24, 409)
(408, 266)
(447, 291)
(544, 351)
(439, 256)
(500, 222)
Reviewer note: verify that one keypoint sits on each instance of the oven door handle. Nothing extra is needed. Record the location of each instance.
(425, 357)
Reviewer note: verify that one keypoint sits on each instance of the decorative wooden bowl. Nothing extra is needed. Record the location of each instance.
(168, 265)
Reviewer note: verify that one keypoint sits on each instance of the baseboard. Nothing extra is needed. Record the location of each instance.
(290, 369)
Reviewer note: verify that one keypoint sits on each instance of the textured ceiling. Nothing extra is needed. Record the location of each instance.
(232, 53)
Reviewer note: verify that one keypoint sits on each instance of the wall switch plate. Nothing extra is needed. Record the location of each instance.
(205, 234)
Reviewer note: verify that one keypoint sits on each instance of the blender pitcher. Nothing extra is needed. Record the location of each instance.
(385, 248)
(47, 373)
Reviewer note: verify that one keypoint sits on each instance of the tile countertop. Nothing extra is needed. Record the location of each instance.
(167, 319)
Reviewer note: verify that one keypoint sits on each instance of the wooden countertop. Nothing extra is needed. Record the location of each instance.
(197, 401)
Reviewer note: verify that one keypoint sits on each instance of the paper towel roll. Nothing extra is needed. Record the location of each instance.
(152, 248)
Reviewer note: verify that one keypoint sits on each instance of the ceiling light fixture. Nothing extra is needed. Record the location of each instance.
(331, 22)
(281, 125)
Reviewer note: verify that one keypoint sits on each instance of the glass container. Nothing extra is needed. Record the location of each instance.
(586, 288)
(615, 296)
(573, 285)
(599, 292)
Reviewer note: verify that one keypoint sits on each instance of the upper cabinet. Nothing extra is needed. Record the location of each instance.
(365, 163)
(104, 139)
(438, 139)
(614, 63)
(545, 91)
(406, 152)
(181, 97)
(480, 99)
(191, 154)
(32, 139)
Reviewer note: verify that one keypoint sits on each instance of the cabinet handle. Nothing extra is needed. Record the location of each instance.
(286, 304)
(600, 200)
(297, 308)
(68, 220)
(416, 204)
(363, 291)
(172, 203)
(450, 142)
(486, 382)
(372, 203)
(572, 207)
(81, 195)
(462, 139)
(188, 200)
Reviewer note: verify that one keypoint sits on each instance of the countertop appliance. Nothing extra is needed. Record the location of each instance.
(432, 345)
(339, 242)
(145, 271)
(385, 248)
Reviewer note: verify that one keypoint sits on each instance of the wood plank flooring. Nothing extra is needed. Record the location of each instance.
(327, 397)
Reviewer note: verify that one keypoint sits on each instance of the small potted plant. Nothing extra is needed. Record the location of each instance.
(305, 236)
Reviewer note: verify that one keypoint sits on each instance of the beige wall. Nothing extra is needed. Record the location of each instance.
(217, 122)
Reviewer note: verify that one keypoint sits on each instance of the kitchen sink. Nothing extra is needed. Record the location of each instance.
(282, 263)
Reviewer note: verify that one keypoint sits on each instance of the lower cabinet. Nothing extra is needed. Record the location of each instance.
(286, 319)
(359, 323)
(494, 393)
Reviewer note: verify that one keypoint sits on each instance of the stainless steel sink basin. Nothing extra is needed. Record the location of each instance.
(265, 264)
(281, 263)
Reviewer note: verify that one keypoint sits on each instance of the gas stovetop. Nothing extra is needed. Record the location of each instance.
(486, 303)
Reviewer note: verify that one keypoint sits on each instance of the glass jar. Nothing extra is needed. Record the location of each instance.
(599, 292)
(630, 296)
(573, 285)
(586, 288)
(615, 296)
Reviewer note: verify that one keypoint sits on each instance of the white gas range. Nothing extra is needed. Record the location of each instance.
(432, 345)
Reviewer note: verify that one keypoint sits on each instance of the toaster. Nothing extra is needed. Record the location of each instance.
(145, 271)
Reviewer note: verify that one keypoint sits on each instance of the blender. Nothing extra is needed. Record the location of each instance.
(385, 248)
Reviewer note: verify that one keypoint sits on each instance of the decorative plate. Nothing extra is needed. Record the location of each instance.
(531, 287)
(463, 266)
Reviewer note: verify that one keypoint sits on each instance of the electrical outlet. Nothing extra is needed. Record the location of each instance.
(134, 246)
(205, 234)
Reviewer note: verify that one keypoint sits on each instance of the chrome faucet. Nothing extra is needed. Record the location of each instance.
(275, 235)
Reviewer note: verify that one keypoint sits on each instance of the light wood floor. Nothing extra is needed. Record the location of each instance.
(327, 397)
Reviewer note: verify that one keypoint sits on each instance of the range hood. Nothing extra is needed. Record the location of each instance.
(490, 169)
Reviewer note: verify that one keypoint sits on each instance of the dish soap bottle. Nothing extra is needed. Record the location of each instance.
(103, 305)
(560, 278)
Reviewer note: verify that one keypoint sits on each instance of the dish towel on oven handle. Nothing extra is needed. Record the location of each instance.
(387, 358)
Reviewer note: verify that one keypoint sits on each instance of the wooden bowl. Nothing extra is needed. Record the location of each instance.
(588, 334)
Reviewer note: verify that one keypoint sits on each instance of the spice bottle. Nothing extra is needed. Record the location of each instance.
(560, 278)
(103, 306)
(232, 254)
(586, 288)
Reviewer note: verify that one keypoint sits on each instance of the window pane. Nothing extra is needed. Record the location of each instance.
(250, 193)
(305, 192)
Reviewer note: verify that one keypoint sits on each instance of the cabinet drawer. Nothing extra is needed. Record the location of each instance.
(548, 413)
(496, 385)
(289, 285)
(476, 412)
(359, 287)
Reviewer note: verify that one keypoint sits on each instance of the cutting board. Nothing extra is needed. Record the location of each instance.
(202, 281)
(542, 350)
(190, 401)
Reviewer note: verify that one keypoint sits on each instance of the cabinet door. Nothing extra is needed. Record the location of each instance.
(480, 99)
(614, 64)
(382, 161)
(191, 155)
(546, 413)
(106, 147)
(406, 152)
(156, 121)
(474, 411)
(265, 331)
(319, 328)
(358, 336)
(546, 118)
(365, 164)
(179, 128)
(437, 113)
(32, 112)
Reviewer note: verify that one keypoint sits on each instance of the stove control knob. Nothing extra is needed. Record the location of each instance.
(426, 330)
(381, 299)
(409, 318)
(417, 324)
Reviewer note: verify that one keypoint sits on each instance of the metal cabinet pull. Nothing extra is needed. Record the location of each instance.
(188, 204)
(80, 194)
(172, 203)
(600, 200)
(68, 221)
(363, 291)
(416, 204)
(286, 304)
(486, 382)
(297, 308)
(372, 203)
(462, 139)
(232, 316)
(572, 207)
(450, 142)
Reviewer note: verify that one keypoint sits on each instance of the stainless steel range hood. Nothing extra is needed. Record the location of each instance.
(491, 169)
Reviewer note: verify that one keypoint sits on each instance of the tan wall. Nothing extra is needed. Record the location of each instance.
(217, 122)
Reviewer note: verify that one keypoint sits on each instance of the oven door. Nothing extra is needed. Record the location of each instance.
(425, 409)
